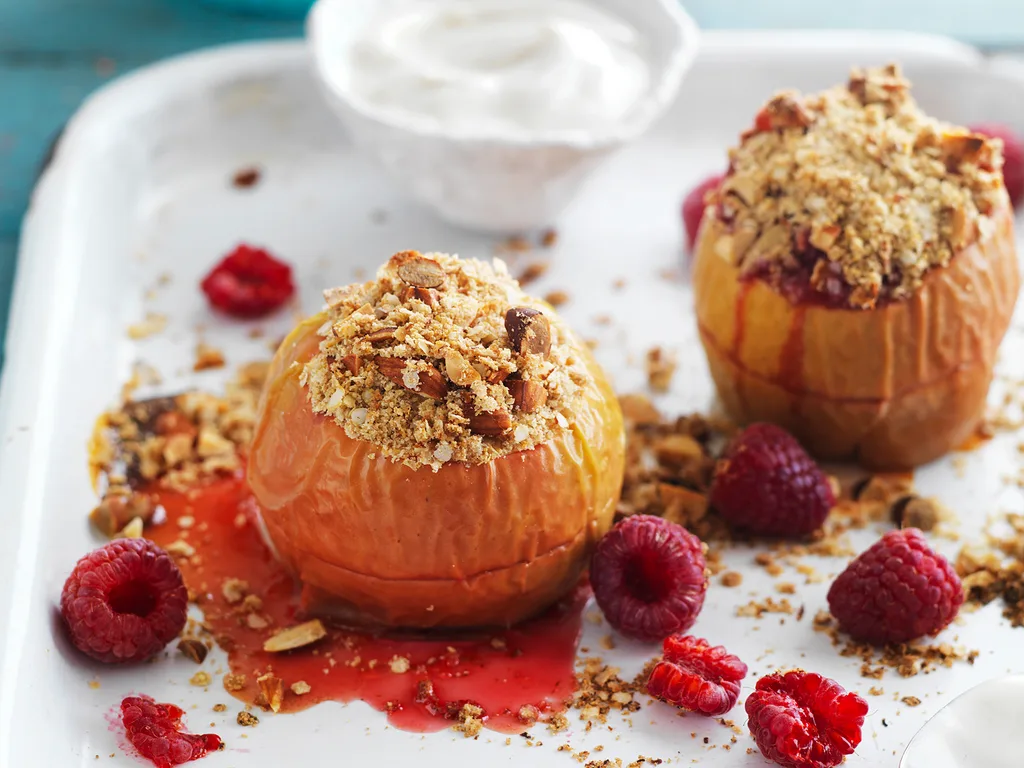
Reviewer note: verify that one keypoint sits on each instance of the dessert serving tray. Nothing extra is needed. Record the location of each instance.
(139, 203)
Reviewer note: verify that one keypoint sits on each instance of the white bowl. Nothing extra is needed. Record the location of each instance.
(490, 182)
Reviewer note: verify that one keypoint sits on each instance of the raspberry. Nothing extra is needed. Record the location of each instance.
(767, 484)
(1013, 154)
(896, 591)
(649, 577)
(803, 720)
(694, 676)
(693, 208)
(248, 282)
(124, 601)
(155, 730)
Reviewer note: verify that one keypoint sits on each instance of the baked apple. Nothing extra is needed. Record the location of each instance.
(856, 272)
(436, 449)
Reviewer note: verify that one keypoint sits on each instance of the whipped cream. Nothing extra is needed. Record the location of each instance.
(500, 67)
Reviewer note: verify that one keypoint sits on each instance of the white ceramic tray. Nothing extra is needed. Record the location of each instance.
(140, 187)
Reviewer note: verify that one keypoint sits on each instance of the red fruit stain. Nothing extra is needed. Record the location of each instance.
(157, 733)
(499, 671)
(248, 283)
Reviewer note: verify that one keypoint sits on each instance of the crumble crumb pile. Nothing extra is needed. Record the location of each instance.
(859, 187)
(441, 359)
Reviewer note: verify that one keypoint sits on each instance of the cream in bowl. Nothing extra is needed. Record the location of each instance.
(492, 112)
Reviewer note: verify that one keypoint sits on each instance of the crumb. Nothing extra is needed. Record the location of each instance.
(233, 682)
(246, 177)
(247, 719)
(911, 701)
(661, 367)
(399, 665)
(207, 357)
(533, 272)
(151, 325)
(470, 721)
(731, 579)
(557, 298)
(549, 238)
(201, 679)
(220, 707)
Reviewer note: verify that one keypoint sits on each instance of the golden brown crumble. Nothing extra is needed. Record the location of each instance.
(860, 177)
(234, 682)
(661, 367)
(470, 720)
(247, 718)
(441, 359)
(207, 357)
(996, 570)
(176, 442)
(201, 679)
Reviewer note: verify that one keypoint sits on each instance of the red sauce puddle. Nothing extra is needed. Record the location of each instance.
(500, 671)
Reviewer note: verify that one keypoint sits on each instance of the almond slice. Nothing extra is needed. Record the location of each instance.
(353, 363)
(382, 334)
(490, 423)
(428, 296)
(295, 637)
(421, 272)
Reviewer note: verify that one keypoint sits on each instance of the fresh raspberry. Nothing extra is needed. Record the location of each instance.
(649, 577)
(124, 601)
(803, 720)
(1013, 155)
(155, 730)
(896, 591)
(767, 484)
(693, 208)
(249, 282)
(694, 676)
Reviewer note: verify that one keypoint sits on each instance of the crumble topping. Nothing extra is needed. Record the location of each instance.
(441, 359)
(857, 189)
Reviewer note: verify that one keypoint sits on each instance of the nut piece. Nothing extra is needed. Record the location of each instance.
(118, 508)
(247, 718)
(528, 331)
(459, 370)
(353, 363)
(528, 395)
(429, 381)
(193, 649)
(421, 272)
(295, 637)
(383, 334)
(272, 691)
(490, 424)
(428, 296)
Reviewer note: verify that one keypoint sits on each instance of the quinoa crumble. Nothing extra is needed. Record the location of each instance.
(858, 187)
(441, 359)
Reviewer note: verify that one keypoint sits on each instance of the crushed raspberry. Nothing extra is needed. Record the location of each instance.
(124, 601)
(694, 676)
(693, 208)
(896, 591)
(803, 720)
(1013, 157)
(155, 730)
(649, 577)
(249, 282)
(766, 484)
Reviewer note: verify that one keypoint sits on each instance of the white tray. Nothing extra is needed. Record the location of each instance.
(140, 187)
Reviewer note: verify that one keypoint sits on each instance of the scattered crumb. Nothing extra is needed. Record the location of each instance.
(246, 177)
(247, 719)
(151, 325)
(533, 271)
(234, 682)
(557, 298)
(300, 688)
(549, 238)
(911, 701)
(731, 579)
(207, 357)
(201, 679)
(470, 721)
(661, 367)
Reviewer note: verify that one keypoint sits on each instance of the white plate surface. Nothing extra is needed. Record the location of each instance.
(140, 187)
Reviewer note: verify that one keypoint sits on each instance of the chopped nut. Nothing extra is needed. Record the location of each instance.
(296, 636)
(207, 357)
(529, 331)
(300, 688)
(118, 508)
(131, 531)
(255, 621)
(426, 381)
(179, 548)
(533, 272)
(528, 396)
(421, 272)
(271, 690)
(492, 424)
(193, 649)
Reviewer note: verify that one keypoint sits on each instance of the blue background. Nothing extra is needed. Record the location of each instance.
(54, 52)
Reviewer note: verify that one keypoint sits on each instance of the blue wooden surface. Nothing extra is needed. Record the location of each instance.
(54, 52)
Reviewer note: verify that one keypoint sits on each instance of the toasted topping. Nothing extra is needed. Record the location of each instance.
(298, 636)
(271, 692)
(443, 360)
(856, 191)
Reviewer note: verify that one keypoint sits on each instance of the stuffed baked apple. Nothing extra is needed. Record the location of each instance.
(856, 272)
(436, 449)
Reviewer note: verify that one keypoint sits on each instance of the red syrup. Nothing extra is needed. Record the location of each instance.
(157, 733)
(530, 665)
